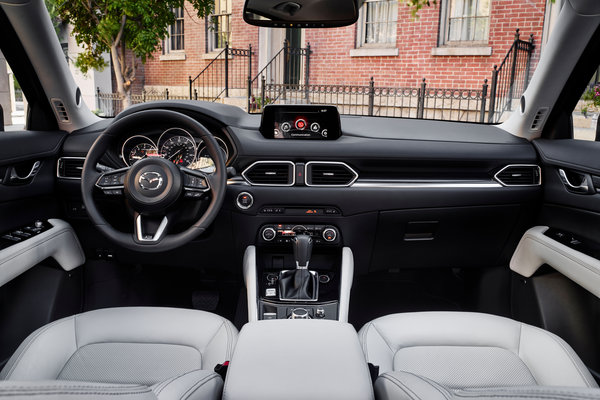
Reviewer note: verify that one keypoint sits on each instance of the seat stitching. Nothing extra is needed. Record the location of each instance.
(31, 341)
(166, 383)
(210, 341)
(198, 385)
(385, 340)
(400, 385)
(229, 341)
(570, 357)
(435, 385)
(364, 340)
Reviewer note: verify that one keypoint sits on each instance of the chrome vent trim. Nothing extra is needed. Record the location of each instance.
(536, 175)
(308, 174)
(65, 171)
(291, 171)
(60, 110)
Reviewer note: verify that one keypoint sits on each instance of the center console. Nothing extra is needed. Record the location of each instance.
(316, 359)
(298, 271)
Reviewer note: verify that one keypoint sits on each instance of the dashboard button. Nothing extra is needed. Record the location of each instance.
(268, 234)
(329, 234)
(244, 200)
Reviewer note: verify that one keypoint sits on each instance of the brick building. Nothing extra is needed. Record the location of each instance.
(454, 44)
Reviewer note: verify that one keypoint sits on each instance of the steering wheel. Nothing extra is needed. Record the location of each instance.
(153, 186)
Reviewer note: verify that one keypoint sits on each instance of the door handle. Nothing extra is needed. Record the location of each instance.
(19, 178)
(585, 186)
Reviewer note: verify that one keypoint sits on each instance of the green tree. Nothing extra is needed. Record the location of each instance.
(116, 26)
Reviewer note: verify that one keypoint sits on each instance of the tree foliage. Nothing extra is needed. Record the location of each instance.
(416, 5)
(115, 26)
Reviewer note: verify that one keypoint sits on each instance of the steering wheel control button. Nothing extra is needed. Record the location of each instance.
(329, 234)
(244, 200)
(315, 127)
(286, 126)
(268, 234)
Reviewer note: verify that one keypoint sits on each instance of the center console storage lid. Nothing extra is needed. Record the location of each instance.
(298, 359)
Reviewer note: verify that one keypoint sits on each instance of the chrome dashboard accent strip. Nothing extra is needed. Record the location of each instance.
(271, 162)
(389, 184)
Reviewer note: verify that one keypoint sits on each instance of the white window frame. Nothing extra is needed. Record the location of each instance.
(444, 31)
(210, 33)
(167, 43)
(361, 26)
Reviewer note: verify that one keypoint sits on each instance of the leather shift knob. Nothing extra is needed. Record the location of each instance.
(302, 250)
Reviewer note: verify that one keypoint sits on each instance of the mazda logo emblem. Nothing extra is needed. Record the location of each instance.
(150, 180)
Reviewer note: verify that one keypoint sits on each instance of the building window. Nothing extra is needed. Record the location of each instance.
(377, 24)
(219, 25)
(465, 21)
(175, 40)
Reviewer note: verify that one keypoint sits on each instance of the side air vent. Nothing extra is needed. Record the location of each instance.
(538, 120)
(70, 167)
(331, 173)
(270, 173)
(519, 175)
(60, 110)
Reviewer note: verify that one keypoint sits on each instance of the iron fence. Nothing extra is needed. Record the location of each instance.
(290, 66)
(111, 104)
(467, 105)
(230, 69)
(510, 79)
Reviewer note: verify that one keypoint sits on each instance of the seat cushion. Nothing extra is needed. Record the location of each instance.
(172, 350)
(405, 386)
(471, 350)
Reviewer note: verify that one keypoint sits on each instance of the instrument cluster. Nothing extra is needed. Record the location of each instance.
(174, 144)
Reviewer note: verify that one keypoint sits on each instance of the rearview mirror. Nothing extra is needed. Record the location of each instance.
(301, 13)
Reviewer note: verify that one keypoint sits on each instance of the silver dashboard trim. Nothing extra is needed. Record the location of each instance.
(58, 175)
(389, 184)
(520, 165)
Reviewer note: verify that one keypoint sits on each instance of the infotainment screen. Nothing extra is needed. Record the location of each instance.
(301, 122)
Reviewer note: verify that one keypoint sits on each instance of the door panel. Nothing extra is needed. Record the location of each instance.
(571, 209)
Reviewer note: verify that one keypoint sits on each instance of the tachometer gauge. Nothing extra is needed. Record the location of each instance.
(181, 150)
(141, 151)
(136, 148)
(204, 162)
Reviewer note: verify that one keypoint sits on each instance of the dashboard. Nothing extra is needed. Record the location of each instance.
(405, 189)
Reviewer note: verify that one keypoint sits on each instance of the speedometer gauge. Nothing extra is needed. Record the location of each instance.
(181, 150)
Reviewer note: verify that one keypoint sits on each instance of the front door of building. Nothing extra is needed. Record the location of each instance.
(293, 58)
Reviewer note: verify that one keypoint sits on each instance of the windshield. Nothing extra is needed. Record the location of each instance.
(457, 60)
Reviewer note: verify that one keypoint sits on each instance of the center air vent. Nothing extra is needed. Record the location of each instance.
(270, 173)
(329, 173)
(70, 167)
(519, 175)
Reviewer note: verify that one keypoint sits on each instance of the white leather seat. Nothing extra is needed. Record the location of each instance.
(140, 352)
(433, 352)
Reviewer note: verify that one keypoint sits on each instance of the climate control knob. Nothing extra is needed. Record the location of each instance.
(329, 234)
(268, 234)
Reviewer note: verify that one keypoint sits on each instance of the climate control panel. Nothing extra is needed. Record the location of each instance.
(284, 233)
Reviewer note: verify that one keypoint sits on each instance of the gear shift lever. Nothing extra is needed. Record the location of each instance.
(300, 283)
(302, 250)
